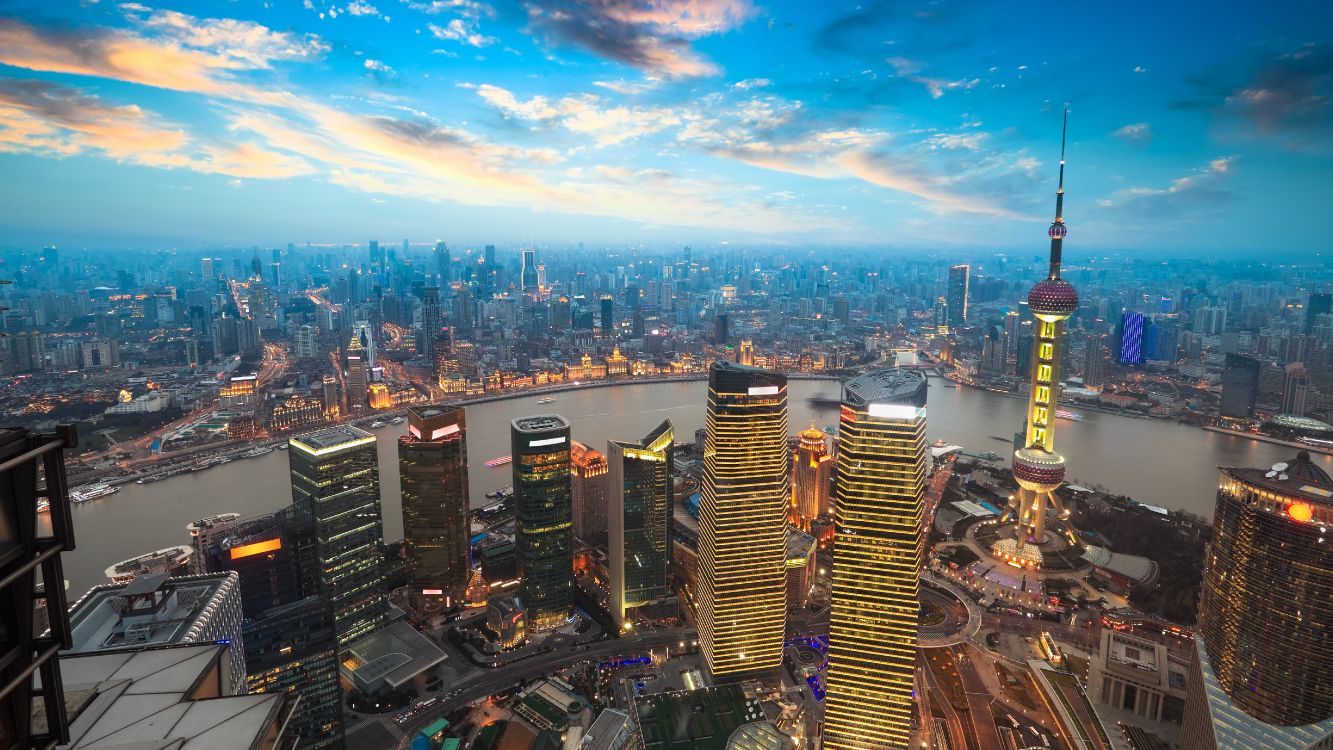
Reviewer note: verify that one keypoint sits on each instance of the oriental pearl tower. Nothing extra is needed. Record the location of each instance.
(1037, 468)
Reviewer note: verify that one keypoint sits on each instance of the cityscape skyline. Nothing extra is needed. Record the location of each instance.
(712, 121)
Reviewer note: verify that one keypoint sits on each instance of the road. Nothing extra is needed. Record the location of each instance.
(484, 682)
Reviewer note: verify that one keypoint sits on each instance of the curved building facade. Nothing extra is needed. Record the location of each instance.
(1266, 606)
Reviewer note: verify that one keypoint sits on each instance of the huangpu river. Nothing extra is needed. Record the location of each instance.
(1153, 461)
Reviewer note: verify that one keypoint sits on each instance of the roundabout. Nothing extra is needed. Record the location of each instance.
(947, 617)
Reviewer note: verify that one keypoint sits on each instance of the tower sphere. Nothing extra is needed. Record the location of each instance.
(1053, 297)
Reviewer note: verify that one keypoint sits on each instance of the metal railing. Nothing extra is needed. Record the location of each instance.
(32, 469)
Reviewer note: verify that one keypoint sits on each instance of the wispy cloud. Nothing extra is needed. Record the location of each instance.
(460, 30)
(1137, 132)
(1200, 192)
(652, 35)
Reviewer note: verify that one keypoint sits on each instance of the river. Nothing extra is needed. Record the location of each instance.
(1156, 462)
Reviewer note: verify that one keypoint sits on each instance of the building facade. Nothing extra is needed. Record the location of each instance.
(959, 279)
(432, 470)
(1240, 386)
(811, 475)
(588, 486)
(640, 513)
(543, 505)
(336, 493)
(1264, 640)
(741, 610)
(878, 549)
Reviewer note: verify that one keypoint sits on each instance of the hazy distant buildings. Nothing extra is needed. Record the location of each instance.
(431, 322)
(1094, 362)
(336, 494)
(881, 476)
(1320, 303)
(1260, 676)
(545, 539)
(529, 275)
(640, 513)
(959, 278)
(742, 521)
(1240, 386)
(432, 469)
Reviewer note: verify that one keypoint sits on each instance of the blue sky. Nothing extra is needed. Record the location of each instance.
(1193, 127)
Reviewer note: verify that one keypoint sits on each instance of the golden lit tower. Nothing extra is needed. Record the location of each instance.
(1038, 469)
(742, 521)
(811, 467)
(879, 484)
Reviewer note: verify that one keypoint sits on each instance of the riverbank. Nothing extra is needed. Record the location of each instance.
(1261, 438)
(202, 455)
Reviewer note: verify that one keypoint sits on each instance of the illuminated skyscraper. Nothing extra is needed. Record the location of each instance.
(811, 469)
(742, 520)
(588, 488)
(959, 276)
(1037, 468)
(336, 494)
(1264, 643)
(542, 500)
(880, 483)
(640, 512)
(432, 466)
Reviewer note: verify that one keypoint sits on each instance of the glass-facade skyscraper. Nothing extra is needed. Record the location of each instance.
(432, 470)
(640, 516)
(878, 547)
(336, 492)
(543, 505)
(1264, 641)
(743, 521)
(959, 278)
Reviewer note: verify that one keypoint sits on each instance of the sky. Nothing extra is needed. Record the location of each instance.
(1193, 127)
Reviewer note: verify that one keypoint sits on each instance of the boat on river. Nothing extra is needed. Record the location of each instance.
(92, 492)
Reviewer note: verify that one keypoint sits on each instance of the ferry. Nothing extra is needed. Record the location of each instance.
(262, 450)
(92, 492)
(502, 492)
(282, 446)
(501, 461)
(1072, 416)
(547, 400)
(376, 425)
(396, 420)
(43, 505)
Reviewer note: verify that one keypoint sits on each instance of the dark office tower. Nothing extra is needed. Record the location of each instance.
(1094, 369)
(742, 603)
(288, 630)
(721, 324)
(432, 466)
(1320, 303)
(529, 275)
(1240, 386)
(1131, 334)
(640, 513)
(608, 316)
(633, 296)
(358, 385)
(430, 322)
(959, 277)
(842, 310)
(542, 500)
(336, 493)
(442, 262)
(31, 553)
(1260, 675)
(878, 549)
(376, 257)
(1296, 392)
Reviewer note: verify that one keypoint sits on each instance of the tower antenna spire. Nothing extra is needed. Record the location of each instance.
(1058, 230)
